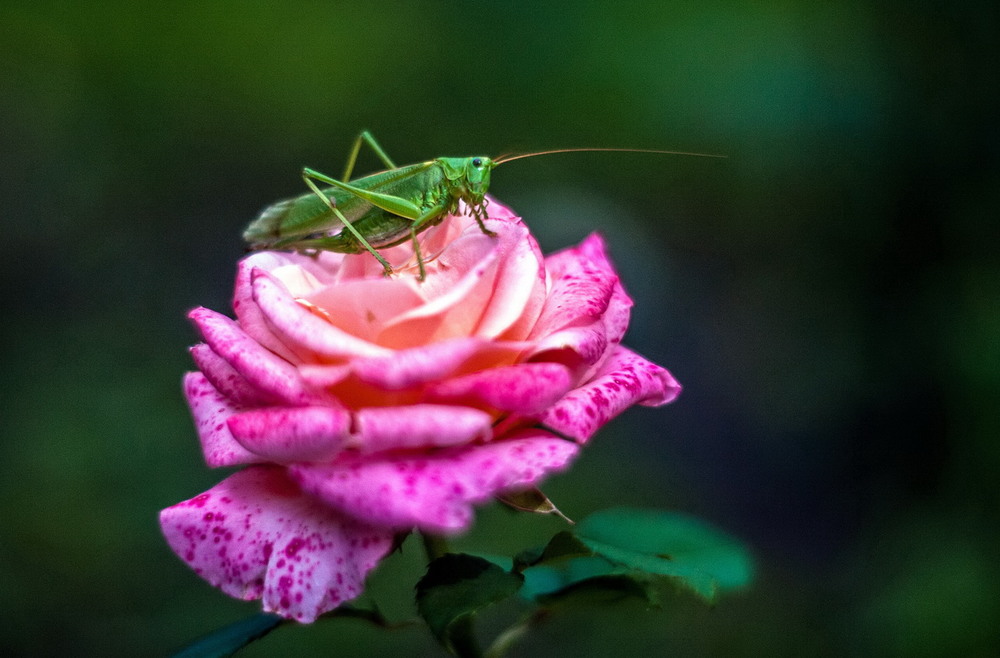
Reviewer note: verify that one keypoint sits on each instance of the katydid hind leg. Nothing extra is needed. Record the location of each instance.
(347, 225)
(397, 205)
(365, 138)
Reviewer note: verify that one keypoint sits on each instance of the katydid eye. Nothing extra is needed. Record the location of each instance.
(477, 162)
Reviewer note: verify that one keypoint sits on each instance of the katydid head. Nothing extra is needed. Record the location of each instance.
(470, 178)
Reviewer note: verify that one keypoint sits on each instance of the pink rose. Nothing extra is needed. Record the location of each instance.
(365, 405)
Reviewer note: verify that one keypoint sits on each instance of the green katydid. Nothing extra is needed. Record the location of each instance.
(383, 209)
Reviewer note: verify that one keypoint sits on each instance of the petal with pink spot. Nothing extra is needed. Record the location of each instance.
(419, 426)
(283, 434)
(435, 491)
(524, 388)
(419, 365)
(625, 379)
(211, 411)
(262, 368)
(249, 315)
(580, 294)
(232, 385)
(255, 535)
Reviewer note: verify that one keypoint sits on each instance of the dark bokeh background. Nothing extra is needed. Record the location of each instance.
(828, 294)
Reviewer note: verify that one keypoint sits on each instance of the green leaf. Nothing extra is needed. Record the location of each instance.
(453, 589)
(610, 588)
(547, 579)
(563, 545)
(669, 544)
(228, 640)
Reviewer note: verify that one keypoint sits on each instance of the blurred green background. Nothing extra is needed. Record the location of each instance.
(828, 294)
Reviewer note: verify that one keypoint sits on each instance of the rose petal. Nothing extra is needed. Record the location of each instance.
(262, 368)
(419, 365)
(617, 316)
(436, 491)
(256, 535)
(230, 384)
(625, 379)
(589, 344)
(250, 318)
(456, 296)
(296, 324)
(580, 294)
(420, 425)
(524, 388)
(519, 293)
(362, 307)
(282, 434)
(595, 249)
(211, 410)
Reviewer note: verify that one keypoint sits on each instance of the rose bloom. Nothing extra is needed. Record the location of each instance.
(365, 406)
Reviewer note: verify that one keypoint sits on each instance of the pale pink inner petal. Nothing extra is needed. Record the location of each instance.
(625, 379)
(362, 307)
(255, 535)
(435, 491)
(283, 435)
(419, 426)
(297, 324)
(519, 292)
(211, 410)
(455, 296)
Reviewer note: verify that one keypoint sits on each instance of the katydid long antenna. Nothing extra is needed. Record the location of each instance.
(517, 156)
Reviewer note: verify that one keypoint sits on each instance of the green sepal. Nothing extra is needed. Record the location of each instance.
(532, 500)
(453, 589)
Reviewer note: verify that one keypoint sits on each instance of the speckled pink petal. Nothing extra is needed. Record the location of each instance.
(262, 368)
(595, 249)
(580, 294)
(617, 316)
(419, 425)
(588, 344)
(282, 434)
(625, 379)
(436, 491)
(231, 384)
(297, 324)
(211, 411)
(255, 535)
(524, 388)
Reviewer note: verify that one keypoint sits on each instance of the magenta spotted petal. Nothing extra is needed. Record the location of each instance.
(362, 405)
(626, 379)
(255, 535)
(435, 492)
